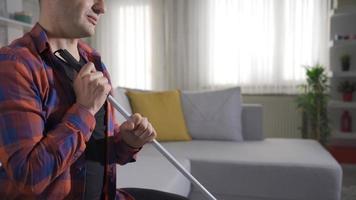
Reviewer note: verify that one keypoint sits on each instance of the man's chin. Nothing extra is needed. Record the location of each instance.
(85, 30)
(91, 32)
(87, 33)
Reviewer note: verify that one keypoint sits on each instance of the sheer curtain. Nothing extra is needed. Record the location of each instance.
(124, 40)
(261, 45)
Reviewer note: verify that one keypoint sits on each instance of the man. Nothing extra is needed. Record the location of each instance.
(58, 139)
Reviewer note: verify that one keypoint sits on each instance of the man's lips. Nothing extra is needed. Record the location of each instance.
(93, 20)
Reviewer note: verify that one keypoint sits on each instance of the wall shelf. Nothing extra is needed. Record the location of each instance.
(349, 9)
(342, 135)
(343, 12)
(341, 43)
(347, 74)
(342, 19)
(341, 104)
(14, 23)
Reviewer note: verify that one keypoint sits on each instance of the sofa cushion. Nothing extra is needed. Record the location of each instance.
(272, 169)
(164, 111)
(213, 115)
(251, 116)
(154, 173)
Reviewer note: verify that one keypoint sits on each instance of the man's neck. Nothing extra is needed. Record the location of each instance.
(56, 42)
(71, 45)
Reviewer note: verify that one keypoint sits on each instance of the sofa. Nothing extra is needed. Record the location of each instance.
(256, 168)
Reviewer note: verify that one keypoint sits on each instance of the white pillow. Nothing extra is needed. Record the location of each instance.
(213, 115)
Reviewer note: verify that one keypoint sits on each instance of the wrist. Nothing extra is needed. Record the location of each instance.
(91, 111)
(130, 146)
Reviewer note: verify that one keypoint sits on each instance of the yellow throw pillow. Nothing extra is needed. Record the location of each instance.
(164, 111)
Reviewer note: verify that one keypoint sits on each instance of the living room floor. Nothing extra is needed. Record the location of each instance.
(349, 182)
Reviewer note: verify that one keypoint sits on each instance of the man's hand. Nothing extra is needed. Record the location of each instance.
(137, 131)
(91, 88)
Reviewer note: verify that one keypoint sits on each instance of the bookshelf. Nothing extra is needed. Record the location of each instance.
(4, 21)
(342, 42)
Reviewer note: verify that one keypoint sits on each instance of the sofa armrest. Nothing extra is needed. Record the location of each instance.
(252, 123)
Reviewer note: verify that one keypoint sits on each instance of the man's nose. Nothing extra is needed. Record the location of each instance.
(99, 7)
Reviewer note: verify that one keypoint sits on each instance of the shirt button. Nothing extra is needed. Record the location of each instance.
(76, 155)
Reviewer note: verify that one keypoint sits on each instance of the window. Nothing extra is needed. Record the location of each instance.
(261, 45)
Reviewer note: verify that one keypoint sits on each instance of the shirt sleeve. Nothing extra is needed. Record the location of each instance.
(123, 152)
(31, 157)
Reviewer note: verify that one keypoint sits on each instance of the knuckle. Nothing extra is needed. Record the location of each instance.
(101, 88)
(137, 133)
(137, 115)
(99, 75)
(104, 79)
(94, 82)
(135, 118)
(97, 81)
(93, 77)
(90, 64)
(108, 88)
(86, 79)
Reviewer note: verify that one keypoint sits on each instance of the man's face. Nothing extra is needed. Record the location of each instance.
(78, 18)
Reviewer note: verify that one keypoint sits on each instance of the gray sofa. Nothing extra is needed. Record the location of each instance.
(255, 169)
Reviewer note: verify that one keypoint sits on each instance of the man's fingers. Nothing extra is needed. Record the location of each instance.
(143, 128)
(95, 75)
(143, 125)
(87, 69)
(128, 126)
(137, 137)
(147, 133)
(136, 118)
(100, 82)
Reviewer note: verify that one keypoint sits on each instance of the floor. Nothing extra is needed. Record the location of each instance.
(349, 182)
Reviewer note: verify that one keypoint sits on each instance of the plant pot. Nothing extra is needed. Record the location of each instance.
(347, 96)
(346, 122)
(345, 65)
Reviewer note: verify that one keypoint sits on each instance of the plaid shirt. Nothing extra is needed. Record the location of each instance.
(43, 132)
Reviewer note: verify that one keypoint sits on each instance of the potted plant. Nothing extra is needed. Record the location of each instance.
(312, 102)
(345, 62)
(346, 88)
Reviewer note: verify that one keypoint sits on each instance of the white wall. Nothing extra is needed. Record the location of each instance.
(8, 7)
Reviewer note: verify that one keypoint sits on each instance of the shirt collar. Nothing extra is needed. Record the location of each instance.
(39, 36)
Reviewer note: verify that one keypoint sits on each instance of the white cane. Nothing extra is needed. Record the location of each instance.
(76, 65)
(165, 153)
